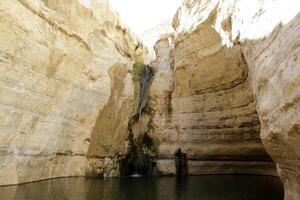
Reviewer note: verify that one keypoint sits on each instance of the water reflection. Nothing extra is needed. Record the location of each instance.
(213, 187)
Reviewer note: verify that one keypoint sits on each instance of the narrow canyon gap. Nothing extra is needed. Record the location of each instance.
(82, 96)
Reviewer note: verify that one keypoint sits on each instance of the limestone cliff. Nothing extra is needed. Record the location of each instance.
(224, 94)
(204, 105)
(149, 37)
(223, 47)
(63, 66)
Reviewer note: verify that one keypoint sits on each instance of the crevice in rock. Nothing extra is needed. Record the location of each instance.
(139, 158)
(145, 81)
(141, 148)
(181, 163)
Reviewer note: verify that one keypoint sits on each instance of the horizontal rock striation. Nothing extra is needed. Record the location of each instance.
(207, 107)
(276, 81)
(58, 62)
(267, 35)
(225, 91)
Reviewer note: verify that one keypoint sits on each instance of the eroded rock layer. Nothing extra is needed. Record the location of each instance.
(227, 78)
(266, 33)
(204, 106)
(62, 64)
(275, 66)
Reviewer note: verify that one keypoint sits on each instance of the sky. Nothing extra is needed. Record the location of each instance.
(141, 15)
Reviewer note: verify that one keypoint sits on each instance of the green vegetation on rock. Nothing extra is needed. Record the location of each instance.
(137, 70)
(140, 152)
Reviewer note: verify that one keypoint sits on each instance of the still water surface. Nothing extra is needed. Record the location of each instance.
(210, 187)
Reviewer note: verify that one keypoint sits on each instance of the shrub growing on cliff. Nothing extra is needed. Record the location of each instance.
(137, 70)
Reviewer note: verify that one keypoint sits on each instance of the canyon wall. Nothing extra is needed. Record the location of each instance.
(204, 105)
(224, 51)
(150, 36)
(225, 92)
(63, 66)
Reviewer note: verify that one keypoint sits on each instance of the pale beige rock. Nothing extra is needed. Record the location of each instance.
(267, 34)
(150, 36)
(276, 81)
(65, 82)
(162, 84)
(204, 105)
(55, 60)
(160, 95)
(140, 127)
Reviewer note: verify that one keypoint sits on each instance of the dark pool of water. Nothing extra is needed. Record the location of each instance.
(210, 187)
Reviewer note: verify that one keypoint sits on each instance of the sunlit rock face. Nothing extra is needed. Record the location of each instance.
(226, 90)
(217, 43)
(161, 95)
(204, 105)
(59, 64)
(149, 37)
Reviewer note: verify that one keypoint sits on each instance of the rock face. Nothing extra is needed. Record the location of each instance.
(149, 37)
(226, 90)
(205, 106)
(275, 66)
(64, 67)
(215, 43)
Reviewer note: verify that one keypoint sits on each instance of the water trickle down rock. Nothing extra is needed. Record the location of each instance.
(139, 158)
(61, 86)
(145, 80)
